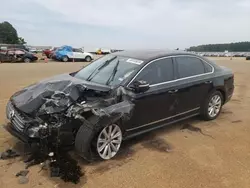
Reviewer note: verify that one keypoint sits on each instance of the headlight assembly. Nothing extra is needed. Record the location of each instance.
(33, 132)
(37, 131)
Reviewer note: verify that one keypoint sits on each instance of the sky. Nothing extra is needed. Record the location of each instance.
(128, 24)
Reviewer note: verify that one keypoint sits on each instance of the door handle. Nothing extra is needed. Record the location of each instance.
(208, 82)
(173, 91)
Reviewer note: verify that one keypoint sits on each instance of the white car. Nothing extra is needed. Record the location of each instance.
(33, 50)
(79, 54)
(67, 53)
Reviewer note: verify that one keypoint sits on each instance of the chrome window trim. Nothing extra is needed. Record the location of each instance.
(151, 123)
(153, 85)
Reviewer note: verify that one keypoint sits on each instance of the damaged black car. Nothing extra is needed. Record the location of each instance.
(118, 96)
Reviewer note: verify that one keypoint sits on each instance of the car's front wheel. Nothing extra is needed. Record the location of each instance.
(212, 106)
(109, 141)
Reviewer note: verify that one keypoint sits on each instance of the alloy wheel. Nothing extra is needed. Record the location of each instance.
(88, 59)
(109, 141)
(214, 106)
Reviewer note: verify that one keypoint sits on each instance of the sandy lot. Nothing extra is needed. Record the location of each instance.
(169, 157)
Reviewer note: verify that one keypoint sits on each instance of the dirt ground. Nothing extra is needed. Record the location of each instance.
(168, 157)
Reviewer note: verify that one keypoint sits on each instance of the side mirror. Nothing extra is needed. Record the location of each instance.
(140, 86)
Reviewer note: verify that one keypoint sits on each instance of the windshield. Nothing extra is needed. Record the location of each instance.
(109, 70)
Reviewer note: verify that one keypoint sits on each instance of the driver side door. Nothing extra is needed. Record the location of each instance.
(155, 106)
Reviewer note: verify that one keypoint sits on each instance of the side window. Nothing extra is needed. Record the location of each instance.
(76, 50)
(157, 72)
(208, 68)
(189, 66)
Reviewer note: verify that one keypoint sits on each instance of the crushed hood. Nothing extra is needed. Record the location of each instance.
(65, 88)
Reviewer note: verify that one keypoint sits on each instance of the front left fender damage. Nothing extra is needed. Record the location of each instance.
(116, 113)
(65, 110)
(78, 120)
(113, 108)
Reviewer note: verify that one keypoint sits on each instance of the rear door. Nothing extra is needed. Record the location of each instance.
(194, 81)
(157, 104)
(78, 54)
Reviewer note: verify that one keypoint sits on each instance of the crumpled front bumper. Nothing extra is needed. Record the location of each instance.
(21, 136)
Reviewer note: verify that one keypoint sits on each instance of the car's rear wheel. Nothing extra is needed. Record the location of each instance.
(109, 141)
(65, 59)
(212, 107)
(88, 58)
(27, 60)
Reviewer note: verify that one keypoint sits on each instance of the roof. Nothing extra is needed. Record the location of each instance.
(148, 55)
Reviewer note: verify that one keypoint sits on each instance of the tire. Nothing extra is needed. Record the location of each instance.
(65, 59)
(212, 106)
(88, 58)
(89, 142)
(27, 60)
(83, 142)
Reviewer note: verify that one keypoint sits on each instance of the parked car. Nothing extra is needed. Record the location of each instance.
(102, 51)
(49, 52)
(115, 50)
(33, 50)
(117, 97)
(66, 53)
(17, 55)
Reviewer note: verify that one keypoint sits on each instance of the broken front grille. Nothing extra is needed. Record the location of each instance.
(15, 118)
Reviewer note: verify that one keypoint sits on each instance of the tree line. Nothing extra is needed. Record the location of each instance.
(8, 34)
(231, 47)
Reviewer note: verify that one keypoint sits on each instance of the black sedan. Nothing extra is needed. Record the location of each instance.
(118, 96)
